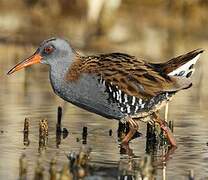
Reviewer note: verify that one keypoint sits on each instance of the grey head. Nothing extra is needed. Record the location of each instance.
(55, 52)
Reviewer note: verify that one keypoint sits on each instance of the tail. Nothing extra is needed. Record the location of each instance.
(182, 66)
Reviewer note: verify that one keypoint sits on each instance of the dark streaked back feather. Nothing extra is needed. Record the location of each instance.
(132, 76)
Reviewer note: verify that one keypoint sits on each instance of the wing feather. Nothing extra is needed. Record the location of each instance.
(132, 76)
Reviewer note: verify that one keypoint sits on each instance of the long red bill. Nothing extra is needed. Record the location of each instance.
(34, 59)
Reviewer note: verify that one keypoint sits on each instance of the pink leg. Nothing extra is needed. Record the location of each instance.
(133, 128)
(165, 128)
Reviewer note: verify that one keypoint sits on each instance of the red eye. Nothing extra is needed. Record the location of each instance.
(48, 50)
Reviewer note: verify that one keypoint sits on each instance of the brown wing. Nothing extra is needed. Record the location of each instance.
(132, 76)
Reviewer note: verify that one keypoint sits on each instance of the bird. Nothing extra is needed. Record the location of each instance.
(114, 85)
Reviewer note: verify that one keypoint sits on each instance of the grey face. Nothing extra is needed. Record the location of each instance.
(54, 50)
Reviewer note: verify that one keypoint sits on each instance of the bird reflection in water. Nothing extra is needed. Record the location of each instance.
(158, 152)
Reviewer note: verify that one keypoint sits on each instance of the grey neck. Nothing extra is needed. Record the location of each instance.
(58, 70)
(58, 73)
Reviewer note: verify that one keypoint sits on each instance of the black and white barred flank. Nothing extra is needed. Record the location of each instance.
(132, 105)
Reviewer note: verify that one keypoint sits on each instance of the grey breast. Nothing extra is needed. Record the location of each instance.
(87, 93)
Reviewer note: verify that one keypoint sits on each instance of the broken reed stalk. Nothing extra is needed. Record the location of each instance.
(59, 130)
(26, 125)
(84, 135)
(59, 117)
(43, 128)
(43, 134)
(110, 132)
(22, 167)
(58, 126)
(26, 141)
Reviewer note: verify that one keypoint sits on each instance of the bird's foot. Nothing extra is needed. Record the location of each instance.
(166, 129)
(169, 134)
(133, 129)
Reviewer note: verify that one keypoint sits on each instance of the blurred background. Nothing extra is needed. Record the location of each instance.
(155, 30)
(162, 27)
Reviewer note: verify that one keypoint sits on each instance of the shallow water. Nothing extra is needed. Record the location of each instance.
(28, 94)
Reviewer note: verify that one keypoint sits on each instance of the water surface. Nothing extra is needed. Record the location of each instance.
(29, 94)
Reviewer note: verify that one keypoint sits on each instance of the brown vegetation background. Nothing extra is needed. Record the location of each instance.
(142, 27)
